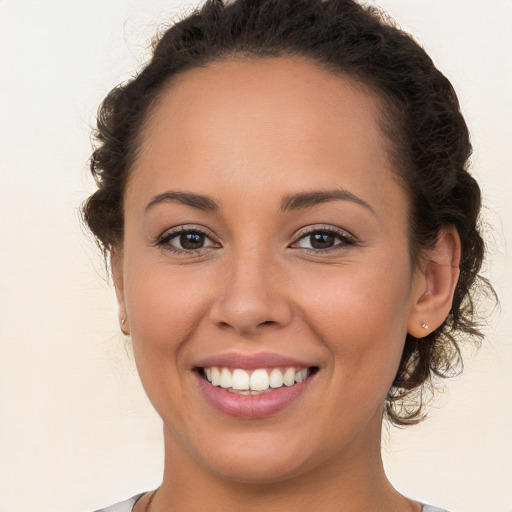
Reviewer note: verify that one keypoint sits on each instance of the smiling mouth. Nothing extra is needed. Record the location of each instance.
(255, 382)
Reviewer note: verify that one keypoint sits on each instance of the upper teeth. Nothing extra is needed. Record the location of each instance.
(257, 380)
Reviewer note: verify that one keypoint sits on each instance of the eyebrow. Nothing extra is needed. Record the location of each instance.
(309, 199)
(199, 201)
(290, 202)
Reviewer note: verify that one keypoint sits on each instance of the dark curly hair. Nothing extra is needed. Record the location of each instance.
(428, 140)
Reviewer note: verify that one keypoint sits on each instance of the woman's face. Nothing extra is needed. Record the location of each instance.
(265, 242)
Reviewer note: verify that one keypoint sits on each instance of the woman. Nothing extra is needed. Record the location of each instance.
(284, 199)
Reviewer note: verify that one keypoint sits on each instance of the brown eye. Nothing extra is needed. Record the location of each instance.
(186, 240)
(322, 240)
(191, 241)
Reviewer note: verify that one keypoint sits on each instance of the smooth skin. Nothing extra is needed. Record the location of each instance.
(254, 267)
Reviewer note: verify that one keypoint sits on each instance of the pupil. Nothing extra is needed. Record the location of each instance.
(322, 240)
(191, 240)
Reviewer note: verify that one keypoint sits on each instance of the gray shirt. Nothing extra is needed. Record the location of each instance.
(127, 506)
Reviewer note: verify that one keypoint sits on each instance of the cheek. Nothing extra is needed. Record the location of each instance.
(156, 305)
(163, 313)
(163, 306)
(361, 315)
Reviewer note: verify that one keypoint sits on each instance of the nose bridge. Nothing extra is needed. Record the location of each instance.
(251, 296)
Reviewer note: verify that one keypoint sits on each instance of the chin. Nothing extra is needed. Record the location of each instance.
(259, 458)
(257, 471)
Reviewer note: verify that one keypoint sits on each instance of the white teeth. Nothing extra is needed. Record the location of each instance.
(260, 380)
(301, 375)
(225, 378)
(276, 378)
(240, 379)
(289, 377)
(215, 376)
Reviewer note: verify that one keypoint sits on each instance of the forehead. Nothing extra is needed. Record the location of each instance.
(274, 94)
(250, 122)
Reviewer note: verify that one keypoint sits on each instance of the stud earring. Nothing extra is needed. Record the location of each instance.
(123, 329)
(425, 326)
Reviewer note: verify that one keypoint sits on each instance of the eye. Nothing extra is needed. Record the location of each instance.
(323, 239)
(189, 241)
(186, 240)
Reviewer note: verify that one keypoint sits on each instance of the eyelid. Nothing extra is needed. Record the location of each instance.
(173, 232)
(346, 238)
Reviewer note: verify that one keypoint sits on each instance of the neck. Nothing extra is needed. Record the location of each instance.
(353, 480)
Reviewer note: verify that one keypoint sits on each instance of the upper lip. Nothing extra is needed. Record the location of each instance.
(251, 361)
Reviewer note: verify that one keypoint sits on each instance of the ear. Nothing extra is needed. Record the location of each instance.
(435, 284)
(116, 266)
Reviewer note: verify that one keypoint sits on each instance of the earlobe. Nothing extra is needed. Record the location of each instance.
(116, 266)
(437, 281)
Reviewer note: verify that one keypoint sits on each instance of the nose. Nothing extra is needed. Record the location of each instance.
(252, 297)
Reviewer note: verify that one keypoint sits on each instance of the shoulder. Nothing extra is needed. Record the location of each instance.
(430, 508)
(123, 506)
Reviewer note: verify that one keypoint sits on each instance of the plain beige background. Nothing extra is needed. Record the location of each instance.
(76, 431)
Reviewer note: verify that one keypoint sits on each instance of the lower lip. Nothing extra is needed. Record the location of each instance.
(252, 406)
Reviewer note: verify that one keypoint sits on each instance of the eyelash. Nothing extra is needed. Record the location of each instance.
(345, 240)
(164, 240)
